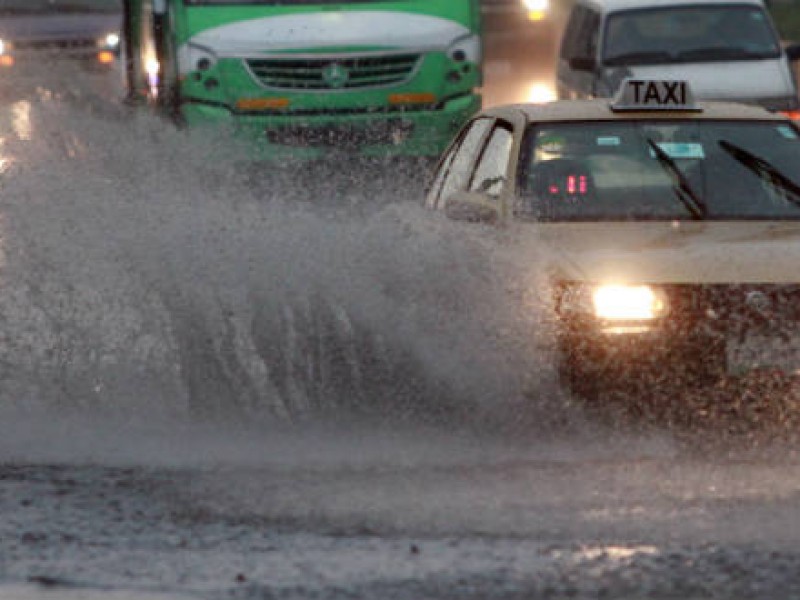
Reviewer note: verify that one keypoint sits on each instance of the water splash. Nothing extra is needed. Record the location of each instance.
(144, 274)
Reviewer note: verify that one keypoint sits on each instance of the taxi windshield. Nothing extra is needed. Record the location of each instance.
(689, 34)
(660, 170)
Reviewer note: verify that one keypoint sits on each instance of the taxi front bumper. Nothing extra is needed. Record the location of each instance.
(704, 336)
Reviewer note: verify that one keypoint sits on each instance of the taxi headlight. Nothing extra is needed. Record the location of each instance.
(466, 49)
(628, 302)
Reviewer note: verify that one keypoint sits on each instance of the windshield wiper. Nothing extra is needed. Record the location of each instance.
(693, 203)
(762, 167)
(713, 53)
(640, 57)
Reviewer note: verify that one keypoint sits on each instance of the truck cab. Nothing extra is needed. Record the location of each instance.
(377, 77)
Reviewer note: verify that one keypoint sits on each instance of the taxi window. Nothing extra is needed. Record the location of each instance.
(490, 173)
(611, 171)
(689, 34)
(458, 174)
(434, 194)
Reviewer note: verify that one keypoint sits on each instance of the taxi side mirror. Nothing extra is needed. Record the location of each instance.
(473, 207)
(582, 63)
(793, 52)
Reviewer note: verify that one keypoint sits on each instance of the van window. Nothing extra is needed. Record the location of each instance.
(689, 34)
(581, 34)
(590, 32)
(490, 172)
(569, 44)
(458, 172)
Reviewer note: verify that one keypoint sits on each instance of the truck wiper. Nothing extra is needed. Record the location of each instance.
(693, 203)
(764, 169)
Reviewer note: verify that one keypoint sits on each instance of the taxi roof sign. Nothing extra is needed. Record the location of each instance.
(654, 94)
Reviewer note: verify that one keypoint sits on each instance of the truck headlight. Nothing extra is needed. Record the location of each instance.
(195, 58)
(466, 49)
(628, 303)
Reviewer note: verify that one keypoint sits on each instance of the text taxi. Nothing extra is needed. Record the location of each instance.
(674, 227)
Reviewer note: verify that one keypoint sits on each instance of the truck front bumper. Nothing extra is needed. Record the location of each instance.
(412, 132)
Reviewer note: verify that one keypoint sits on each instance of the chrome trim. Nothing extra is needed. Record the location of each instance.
(349, 56)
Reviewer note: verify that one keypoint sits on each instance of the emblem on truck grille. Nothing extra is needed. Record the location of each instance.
(335, 75)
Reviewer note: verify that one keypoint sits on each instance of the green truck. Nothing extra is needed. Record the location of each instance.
(299, 77)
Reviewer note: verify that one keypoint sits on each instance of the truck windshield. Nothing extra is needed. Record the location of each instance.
(716, 170)
(689, 34)
(58, 6)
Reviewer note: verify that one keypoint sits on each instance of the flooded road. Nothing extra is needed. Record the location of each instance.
(356, 512)
(221, 383)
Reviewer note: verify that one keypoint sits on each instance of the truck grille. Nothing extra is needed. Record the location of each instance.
(332, 74)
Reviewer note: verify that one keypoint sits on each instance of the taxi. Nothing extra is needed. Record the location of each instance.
(671, 227)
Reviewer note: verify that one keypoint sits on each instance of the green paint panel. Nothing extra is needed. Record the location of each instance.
(305, 99)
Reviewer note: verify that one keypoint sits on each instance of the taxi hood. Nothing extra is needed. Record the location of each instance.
(679, 252)
(754, 81)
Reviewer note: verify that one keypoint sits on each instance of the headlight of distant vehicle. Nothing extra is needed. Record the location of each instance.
(6, 58)
(465, 49)
(110, 41)
(537, 9)
(615, 302)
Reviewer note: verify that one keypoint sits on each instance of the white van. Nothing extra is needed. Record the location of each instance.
(725, 49)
